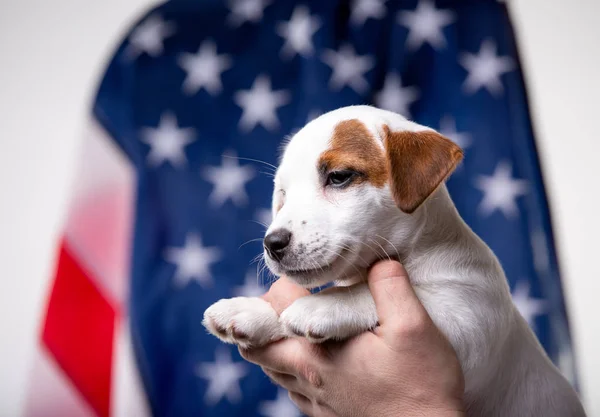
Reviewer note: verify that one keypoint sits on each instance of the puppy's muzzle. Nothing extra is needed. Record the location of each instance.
(277, 242)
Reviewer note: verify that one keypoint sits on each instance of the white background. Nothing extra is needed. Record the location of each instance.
(52, 54)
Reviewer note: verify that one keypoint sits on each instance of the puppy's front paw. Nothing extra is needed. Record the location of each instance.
(321, 317)
(244, 321)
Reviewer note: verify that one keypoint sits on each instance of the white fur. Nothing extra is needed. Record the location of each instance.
(252, 317)
(455, 275)
(334, 313)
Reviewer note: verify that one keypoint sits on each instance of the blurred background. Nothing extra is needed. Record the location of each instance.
(54, 56)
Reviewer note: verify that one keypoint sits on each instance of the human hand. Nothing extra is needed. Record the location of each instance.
(405, 367)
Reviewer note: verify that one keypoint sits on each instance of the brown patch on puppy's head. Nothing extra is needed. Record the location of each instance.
(418, 162)
(354, 148)
(413, 163)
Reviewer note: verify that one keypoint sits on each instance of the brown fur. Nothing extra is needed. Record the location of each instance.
(418, 162)
(414, 163)
(353, 147)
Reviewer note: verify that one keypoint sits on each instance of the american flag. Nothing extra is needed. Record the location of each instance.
(169, 206)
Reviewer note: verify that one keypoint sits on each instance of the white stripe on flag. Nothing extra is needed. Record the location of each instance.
(98, 232)
(51, 393)
(128, 396)
(100, 221)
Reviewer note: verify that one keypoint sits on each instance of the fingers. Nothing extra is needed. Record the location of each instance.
(291, 356)
(287, 381)
(299, 391)
(303, 403)
(291, 364)
(397, 304)
(311, 407)
(284, 292)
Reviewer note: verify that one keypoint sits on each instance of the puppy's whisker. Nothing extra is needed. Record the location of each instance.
(375, 250)
(356, 240)
(315, 264)
(249, 241)
(392, 245)
(268, 174)
(338, 246)
(382, 249)
(271, 278)
(351, 250)
(252, 160)
(257, 258)
(266, 226)
(344, 258)
(263, 271)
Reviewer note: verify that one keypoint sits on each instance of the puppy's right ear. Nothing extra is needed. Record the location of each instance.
(418, 162)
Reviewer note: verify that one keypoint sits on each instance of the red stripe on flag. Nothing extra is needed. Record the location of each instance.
(79, 332)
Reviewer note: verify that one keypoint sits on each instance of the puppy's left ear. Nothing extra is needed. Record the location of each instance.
(418, 163)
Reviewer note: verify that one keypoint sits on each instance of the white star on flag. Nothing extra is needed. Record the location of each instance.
(365, 9)
(246, 11)
(264, 217)
(251, 287)
(348, 68)
(193, 261)
(539, 245)
(204, 69)
(298, 33)
(529, 307)
(223, 376)
(485, 69)
(500, 191)
(259, 104)
(448, 129)
(394, 97)
(149, 36)
(566, 363)
(228, 181)
(281, 407)
(426, 24)
(167, 141)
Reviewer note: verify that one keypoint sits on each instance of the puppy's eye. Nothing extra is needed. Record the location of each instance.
(340, 178)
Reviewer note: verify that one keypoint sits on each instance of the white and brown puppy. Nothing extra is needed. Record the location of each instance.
(358, 184)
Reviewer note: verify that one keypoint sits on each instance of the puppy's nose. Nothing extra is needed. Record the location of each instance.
(276, 242)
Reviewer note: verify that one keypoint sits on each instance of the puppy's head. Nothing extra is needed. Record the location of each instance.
(348, 191)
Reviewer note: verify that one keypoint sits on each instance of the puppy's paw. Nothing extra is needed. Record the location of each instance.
(321, 317)
(244, 321)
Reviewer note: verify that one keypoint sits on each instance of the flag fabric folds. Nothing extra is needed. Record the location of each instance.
(169, 205)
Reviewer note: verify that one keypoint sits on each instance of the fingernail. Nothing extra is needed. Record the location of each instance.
(387, 268)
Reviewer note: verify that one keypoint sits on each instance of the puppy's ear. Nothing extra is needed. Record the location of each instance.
(418, 162)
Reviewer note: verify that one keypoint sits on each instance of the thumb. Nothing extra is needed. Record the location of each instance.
(284, 292)
(394, 296)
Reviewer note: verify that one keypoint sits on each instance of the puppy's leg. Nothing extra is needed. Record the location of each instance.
(244, 321)
(336, 313)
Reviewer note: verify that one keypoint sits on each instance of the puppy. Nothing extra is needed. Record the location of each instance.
(359, 184)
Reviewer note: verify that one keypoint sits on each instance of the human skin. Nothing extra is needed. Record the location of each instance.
(404, 367)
